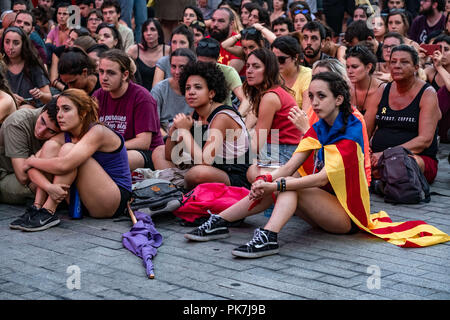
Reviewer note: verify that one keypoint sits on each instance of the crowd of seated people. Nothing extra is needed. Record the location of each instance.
(118, 92)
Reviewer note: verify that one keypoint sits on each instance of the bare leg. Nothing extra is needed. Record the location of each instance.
(284, 209)
(135, 160)
(50, 149)
(159, 159)
(240, 209)
(204, 174)
(324, 209)
(98, 192)
(68, 178)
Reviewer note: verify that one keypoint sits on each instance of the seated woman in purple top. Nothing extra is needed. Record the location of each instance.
(87, 154)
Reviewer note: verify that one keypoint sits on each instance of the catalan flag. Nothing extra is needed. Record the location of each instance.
(342, 155)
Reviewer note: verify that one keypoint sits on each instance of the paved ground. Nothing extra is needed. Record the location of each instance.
(311, 264)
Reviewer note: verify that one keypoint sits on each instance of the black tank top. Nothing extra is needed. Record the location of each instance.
(146, 72)
(434, 84)
(396, 127)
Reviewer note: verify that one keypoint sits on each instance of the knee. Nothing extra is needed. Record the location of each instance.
(196, 176)
(65, 149)
(252, 173)
(50, 149)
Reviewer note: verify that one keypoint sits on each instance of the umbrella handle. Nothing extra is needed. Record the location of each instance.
(130, 212)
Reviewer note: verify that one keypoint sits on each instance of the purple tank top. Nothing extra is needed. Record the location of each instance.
(114, 163)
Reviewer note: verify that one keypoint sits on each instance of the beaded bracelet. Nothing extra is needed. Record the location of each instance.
(283, 185)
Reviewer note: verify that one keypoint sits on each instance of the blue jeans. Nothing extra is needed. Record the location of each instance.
(140, 15)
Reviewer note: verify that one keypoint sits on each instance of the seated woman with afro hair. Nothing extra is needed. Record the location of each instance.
(214, 136)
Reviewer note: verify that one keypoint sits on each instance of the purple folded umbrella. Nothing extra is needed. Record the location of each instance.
(142, 240)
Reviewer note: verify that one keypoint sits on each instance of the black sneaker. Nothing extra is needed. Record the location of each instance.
(264, 243)
(16, 224)
(214, 228)
(41, 220)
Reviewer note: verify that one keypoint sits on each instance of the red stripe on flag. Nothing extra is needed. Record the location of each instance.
(348, 151)
(409, 244)
(399, 228)
(384, 219)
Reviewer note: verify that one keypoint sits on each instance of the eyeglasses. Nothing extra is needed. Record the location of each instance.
(282, 59)
(204, 44)
(385, 47)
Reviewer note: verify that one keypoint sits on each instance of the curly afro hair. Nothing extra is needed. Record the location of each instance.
(212, 74)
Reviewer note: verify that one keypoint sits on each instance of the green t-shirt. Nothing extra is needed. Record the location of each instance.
(17, 139)
(232, 79)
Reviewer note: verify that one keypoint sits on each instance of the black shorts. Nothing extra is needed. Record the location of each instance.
(147, 155)
(125, 196)
(237, 173)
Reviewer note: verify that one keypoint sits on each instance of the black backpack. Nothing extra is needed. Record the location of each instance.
(156, 196)
(403, 181)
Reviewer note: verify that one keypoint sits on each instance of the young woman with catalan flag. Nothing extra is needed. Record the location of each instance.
(324, 183)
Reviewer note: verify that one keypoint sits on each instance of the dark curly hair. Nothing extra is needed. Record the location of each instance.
(338, 87)
(212, 74)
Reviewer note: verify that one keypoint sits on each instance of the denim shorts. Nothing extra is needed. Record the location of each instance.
(277, 153)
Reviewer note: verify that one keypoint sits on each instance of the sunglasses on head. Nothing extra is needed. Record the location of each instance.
(282, 59)
(304, 11)
(204, 44)
(198, 23)
(251, 31)
(397, 10)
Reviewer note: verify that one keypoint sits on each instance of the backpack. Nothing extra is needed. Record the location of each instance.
(402, 178)
(206, 199)
(156, 196)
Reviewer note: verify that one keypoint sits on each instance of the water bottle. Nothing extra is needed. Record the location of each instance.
(75, 207)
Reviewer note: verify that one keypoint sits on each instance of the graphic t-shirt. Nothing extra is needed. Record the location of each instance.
(131, 114)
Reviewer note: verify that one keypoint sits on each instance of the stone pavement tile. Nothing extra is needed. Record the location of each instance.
(417, 290)
(435, 268)
(33, 281)
(303, 288)
(254, 289)
(431, 284)
(440, 296)
(9, 296)
(287, 274)
(217, 289)
(188, 294)
(115, 294)
(38, 295)
(386, 291)
(321, 267)
(14, 288)
(343, 282)
(387, 268)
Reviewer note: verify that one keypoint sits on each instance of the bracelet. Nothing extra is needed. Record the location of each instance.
(283, 185)
(278, 186)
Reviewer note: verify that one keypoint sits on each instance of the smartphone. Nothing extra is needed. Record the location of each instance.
(431, 48)
(28, 99)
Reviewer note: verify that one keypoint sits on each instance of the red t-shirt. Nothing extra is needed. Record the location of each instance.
(288, 132)
(131, 114)
(225, 57)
